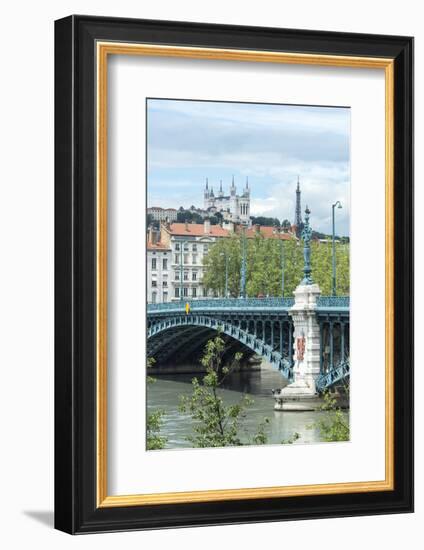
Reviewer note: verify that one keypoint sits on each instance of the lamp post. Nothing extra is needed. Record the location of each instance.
(226, 272)
(306, 236)
(338, 204)
(243, 266)
(282, 267)
(183, 243)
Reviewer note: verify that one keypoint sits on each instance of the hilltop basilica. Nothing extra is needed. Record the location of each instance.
(233, 207)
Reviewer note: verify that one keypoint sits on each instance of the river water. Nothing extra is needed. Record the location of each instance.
(164, 394)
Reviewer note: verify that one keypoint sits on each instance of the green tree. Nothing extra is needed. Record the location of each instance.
(286, 225)
(154, 420)
(187, 216)
(263, 220)
(214, 277)
(334, 425)
(154, 425)
(216, 424)
(264, 266)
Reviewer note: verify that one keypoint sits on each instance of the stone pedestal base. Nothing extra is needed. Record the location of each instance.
(298, 396)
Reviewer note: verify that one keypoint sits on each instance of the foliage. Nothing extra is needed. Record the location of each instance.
(217, 424)
(154, 425)
(286, 225)
(333, 426)
(262, 220)
(152, 222)
(220, 252)
(187, 216)
(264, 266)
(154, 421)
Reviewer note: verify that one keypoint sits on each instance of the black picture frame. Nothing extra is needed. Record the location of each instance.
(76, 508)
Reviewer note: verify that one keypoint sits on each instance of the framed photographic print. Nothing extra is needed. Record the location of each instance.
(234, 274)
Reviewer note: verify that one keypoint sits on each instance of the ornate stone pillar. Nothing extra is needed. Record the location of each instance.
(306, 337)
(301, 393)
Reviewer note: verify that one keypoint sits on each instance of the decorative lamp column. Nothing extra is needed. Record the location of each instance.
(306, 236)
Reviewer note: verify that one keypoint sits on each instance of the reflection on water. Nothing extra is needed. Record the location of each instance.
(164, 394)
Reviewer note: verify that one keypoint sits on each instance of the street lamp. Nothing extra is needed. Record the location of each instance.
(226, 273)
(282, 267)
(183, 243)
(338, 204)
(243, 265)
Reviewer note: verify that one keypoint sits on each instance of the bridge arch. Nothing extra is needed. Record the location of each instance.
(251, 341)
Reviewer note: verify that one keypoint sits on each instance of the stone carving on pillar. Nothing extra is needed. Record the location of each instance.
(300, 347)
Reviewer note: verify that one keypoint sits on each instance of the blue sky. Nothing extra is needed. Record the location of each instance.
(271, 144)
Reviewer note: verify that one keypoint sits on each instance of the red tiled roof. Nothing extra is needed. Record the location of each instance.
(197, 230)
(157, 246)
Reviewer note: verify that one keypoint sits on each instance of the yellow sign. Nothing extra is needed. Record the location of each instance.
(187, 308)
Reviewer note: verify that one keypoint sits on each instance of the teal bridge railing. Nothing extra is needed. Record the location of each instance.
(235, 304)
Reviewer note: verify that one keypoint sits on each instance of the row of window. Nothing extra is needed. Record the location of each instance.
(186, 260)
(186, 276)
(243, 210)
(177, 260)
(155, 284)
(193, 247)
(155, 264)
(186, 294)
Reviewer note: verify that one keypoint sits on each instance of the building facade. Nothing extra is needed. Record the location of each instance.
(189, 243)
(159, 281)
(162, 214)
(233, 207)
(175, 257)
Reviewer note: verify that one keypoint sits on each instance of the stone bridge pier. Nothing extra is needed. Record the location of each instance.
(301, 394)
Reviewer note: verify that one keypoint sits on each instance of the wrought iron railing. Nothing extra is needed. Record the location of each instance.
(334, 375)
(246, 303)
(223, 303)
(333, 301)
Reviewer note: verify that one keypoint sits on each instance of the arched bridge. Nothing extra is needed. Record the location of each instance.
(262, 326)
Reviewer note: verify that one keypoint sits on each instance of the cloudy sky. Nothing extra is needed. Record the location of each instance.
(271, 144)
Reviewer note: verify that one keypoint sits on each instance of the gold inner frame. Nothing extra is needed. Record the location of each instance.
(104, 49)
